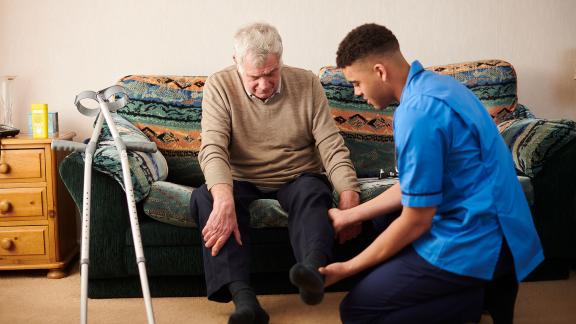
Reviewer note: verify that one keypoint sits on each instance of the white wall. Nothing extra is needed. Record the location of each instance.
(58, 48)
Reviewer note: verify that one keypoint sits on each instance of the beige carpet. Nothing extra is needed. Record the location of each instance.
(27, 297)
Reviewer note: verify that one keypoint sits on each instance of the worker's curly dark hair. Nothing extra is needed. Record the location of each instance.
(365, 40)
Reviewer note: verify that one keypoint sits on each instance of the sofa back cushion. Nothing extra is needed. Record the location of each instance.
(368, 132)
(168, 110)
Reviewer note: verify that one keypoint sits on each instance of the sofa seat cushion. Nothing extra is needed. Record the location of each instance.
(170, 203)
(145, 168)
(168, 110)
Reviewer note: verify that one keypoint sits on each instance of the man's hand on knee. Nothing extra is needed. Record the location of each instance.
(222, 220)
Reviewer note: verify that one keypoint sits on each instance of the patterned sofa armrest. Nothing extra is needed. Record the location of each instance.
(533, 141)
(145, 168)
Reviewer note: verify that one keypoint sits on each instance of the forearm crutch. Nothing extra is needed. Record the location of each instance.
(106, 107)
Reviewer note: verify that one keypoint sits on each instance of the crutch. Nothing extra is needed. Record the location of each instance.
(106, 107)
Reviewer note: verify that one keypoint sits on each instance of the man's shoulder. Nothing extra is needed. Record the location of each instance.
(226, 80)
(437, 85)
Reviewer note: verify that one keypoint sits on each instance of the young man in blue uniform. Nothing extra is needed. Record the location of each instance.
(464, 220)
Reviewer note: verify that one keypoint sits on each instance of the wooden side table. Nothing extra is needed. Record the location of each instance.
(38, 226)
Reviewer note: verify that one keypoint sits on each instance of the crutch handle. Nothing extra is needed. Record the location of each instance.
(118, 93)
(148, 147)
(60, 145)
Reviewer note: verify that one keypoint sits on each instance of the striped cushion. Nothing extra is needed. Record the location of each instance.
(368, 132)
(168, 110)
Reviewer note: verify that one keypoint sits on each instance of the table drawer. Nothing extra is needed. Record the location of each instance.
(22, 164)
(22, 204)
(24, 240)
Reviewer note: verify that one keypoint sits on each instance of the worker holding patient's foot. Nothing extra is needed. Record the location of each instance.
(456, 222)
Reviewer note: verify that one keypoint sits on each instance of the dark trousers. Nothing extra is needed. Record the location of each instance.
(408, 289)
(306, 200)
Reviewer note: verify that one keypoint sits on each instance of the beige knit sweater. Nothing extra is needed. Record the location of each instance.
(269, 144)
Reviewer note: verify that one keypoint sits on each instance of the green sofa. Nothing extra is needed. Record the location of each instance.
(167, 110)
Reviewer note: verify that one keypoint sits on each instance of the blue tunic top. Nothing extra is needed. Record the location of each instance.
(451, 155)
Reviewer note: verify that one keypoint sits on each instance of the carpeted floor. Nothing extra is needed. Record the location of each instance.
(27, 297)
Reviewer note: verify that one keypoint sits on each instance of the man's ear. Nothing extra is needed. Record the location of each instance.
(380, 69)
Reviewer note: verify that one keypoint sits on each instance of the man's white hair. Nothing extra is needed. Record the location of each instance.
(259, 40)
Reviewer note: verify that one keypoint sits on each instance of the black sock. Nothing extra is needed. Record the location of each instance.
(306, 277)
(316, 259)
(248, 310)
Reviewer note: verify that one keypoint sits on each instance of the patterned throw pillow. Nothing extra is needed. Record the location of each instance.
(168, 110)
(533, 141)
(368, 132)
(145, 168)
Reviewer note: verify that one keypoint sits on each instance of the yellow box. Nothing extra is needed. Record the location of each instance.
(39, 120)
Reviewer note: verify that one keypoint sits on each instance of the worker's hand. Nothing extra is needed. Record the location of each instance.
(342, 221)
(338, 219)
(335, 272)
(349, 199)
(222, 220)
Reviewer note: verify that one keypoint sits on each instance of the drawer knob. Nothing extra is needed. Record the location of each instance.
(4, 168)
(6, 244)
(5, 206)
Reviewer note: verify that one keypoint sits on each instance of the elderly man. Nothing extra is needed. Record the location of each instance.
(267, 133)
(464, 218)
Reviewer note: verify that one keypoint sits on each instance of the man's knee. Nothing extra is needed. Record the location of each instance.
(310, 186)
(313, 180)
(201, 204)
(352, 311)
(346, 307)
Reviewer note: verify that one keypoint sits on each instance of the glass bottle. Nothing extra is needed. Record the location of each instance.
(7, 100)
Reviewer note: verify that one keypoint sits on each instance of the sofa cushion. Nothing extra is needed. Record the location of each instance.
(533, 141)
(528, 189)
(145, 168)
(368, 132)
(168, 110)
(170, 203)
